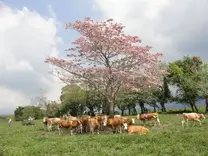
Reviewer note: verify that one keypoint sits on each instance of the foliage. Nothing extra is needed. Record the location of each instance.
(22, 113)
(73, 99)
(52, 109)
(185, 75)
(163, 94)
(95, 101)
(203, 84)
(107, 59)
(203, 91)
(170, 139)
(18, 113)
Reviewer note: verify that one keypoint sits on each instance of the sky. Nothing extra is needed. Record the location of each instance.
(32, 30)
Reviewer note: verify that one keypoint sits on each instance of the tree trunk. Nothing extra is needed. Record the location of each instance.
(111, 109)
(129, 111)
(206, 103)
(122, 112)
(154, 108)
(195, 107)
(135, 111)
(192, 107)
(141, 104)
(163, 106)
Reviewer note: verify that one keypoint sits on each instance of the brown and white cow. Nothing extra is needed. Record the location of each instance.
(49, 122)
(191, 117)
(85, 122)
(113, 123)
(149, 116)
(101, 118)
(116, 122)
(94, 125)
(69, 124)
(134, 129)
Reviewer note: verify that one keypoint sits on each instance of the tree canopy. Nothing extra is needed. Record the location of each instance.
(107, 59)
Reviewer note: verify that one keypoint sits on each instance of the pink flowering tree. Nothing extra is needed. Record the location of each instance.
(104, 58)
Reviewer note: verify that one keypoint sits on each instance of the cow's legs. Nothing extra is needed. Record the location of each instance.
(71, 131)
(198, 121)
(158, 121)
(144, 122)
(187, 123)
(120, 129)
(59, 129)
(182, 122)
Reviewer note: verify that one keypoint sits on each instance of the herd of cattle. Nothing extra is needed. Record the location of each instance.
(117, 123)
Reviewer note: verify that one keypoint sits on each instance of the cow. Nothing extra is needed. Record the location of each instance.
(113, 123)
(94, 125)
(85, 122)
(134, 129)
(101, 118)
(149, 116)
(69, 124)
(191, 117)
(49, 122)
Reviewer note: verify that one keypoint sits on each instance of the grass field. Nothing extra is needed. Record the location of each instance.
(168, 139)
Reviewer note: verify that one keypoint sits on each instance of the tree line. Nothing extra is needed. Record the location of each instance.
(188, 75)
(105, 69)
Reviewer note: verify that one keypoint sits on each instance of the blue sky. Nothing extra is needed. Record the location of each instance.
(163, 24)
(65, 10)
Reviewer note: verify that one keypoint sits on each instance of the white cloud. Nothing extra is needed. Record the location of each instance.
(26, 38)
(175, 28)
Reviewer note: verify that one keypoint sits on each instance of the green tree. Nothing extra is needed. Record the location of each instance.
(203, 91)
(73, 99)
(185, 75)
(32, 111)
(162, 94)
(52, 109)
(18, 113)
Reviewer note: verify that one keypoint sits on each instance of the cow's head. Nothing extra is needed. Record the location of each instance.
(202, 116)
(125, 126)
(45, 119)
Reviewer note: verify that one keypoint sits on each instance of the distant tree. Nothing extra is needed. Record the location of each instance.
(203, 84)
(40, 100)
(185, 75)
(107, 59)
(22, 113)
(52, 109)
(73, 99)
(18, 113)
(32, 111)
(162, 94)
(94, 101)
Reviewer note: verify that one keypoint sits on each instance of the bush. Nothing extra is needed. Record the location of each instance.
(28, 122)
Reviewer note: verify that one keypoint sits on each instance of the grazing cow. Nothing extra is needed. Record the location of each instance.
(69, 124)
(136, 129)
(94, 125)
(149, 116)
(113, 123)
(191, 116)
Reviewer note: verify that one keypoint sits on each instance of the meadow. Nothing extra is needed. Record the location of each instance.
(168, 139)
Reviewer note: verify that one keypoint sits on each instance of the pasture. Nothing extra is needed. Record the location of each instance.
(168, 139)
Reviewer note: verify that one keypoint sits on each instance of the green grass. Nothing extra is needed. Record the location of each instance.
(169, 139)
